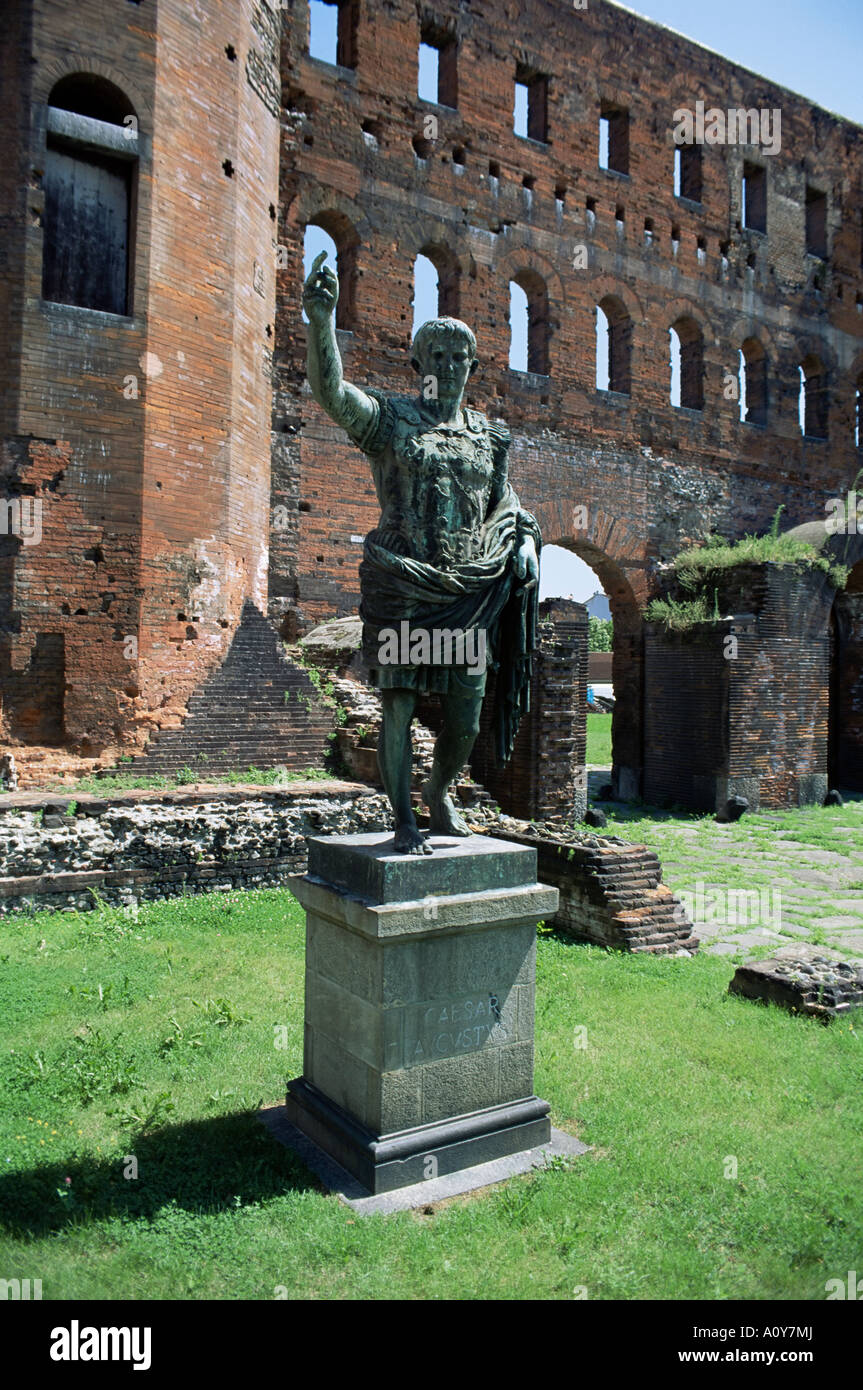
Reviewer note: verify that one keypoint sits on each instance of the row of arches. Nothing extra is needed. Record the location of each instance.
(436, 292)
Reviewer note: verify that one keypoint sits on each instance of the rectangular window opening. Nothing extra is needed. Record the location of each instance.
(531, 104)
(333, 31)
(438, 66)
(614, 140)
(816, 222)
(754, 197)
(688, 173)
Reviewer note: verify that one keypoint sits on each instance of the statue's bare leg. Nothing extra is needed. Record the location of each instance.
(462, 706)
(394, 760)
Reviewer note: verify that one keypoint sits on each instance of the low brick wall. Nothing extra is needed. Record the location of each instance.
(611, 893)
(134, 847)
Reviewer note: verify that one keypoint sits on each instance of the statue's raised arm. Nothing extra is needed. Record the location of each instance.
(346, 404)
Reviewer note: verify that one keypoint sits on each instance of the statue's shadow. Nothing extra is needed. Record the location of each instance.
(202, 1166)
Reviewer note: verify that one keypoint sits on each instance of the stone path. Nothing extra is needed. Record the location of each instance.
(743, 894)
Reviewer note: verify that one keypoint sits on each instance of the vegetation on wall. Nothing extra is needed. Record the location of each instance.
(698, 568)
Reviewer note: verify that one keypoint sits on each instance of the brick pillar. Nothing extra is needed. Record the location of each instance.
(847, 713)
(546, 773)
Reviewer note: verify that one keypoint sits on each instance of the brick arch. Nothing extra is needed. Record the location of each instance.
(746, 328)
(347, 238)
(419, 233)
(539, 326)
(450, 272)
(321, 201)
(690, 309)
(807, 347)
(607, 287)
(523, 259)
(46, 79)
(607, 540)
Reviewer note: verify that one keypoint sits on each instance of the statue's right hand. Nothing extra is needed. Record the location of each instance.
(321, 290)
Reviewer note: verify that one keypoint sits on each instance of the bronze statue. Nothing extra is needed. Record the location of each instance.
(449, 577)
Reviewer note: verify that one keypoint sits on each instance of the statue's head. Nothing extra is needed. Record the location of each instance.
(446, 350)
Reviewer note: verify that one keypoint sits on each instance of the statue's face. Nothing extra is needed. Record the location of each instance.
(448, 360)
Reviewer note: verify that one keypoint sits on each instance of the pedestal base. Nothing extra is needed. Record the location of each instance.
(418, 1057)
(383, 1163)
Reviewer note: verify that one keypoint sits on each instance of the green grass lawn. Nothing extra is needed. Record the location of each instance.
(155, 1039)
(599, 740)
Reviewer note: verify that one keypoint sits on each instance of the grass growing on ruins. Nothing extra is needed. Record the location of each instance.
(187, 776)
(810, 858)
(725, 1134)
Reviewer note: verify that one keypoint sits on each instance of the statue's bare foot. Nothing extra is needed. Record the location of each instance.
(410, 840)
(444, 818)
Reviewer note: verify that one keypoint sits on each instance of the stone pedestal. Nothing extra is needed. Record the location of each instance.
(419, 1013)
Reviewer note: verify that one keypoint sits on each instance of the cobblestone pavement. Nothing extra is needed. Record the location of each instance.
(760, 883)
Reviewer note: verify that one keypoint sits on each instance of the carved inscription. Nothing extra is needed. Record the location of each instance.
(450, 1027)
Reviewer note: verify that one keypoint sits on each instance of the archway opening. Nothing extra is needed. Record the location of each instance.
(576, 569)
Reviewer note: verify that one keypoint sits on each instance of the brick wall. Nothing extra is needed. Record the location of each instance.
(741, 706)
(150, 431)
(649, 476)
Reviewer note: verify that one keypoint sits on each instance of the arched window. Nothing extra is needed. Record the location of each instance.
(687, 364)
(528, 323)
(333, 233)
(813, 398)
(753, 383)
(613, 346)
(858, 413)
(90, 161)
(436, 285)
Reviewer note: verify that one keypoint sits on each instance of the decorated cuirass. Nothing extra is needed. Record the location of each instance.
(434, 481)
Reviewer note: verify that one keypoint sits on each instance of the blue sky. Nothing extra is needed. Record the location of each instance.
(813, 49)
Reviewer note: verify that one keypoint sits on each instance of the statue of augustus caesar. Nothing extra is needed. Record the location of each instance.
(453, 553)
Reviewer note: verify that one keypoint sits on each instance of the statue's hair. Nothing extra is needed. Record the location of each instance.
(447, 327)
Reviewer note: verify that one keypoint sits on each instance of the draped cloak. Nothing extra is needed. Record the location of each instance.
(443, 555)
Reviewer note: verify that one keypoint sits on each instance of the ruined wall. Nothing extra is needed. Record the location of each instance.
(648, 476)
(741, 706)
(150, 429)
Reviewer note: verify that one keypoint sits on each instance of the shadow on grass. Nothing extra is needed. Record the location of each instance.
(204, 1166)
